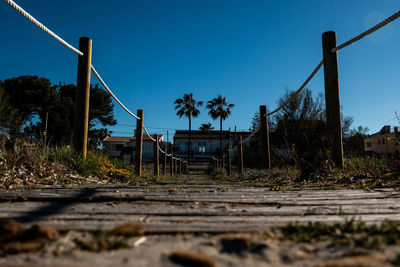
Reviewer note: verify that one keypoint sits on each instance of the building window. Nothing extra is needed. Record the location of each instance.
(383, 141)
(202, 147)
(119, 147)
(379, 142)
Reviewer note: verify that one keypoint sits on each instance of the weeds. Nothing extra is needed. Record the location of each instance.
(354, 234)
(27, 164)
(358, 173)
(218, 174)
(396, 260)
(369, 166)
(101, 241)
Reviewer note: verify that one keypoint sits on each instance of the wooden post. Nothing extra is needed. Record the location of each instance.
(180, 166)
(229, 162)
(139, 143)
(171, 163)
(165, 161)
(240, 155)
(156, 157)
(223, 161)
(264, 134)
(332, 98)
(175, 163)
(45, 128)
(82, 96)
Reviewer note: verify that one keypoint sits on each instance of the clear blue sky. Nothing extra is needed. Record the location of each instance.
(152, 52)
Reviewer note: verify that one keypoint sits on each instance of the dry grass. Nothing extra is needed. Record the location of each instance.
(191, 258)
(15, 238)
(128, 229)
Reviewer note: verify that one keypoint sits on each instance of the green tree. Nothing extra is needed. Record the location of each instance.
(7, 113)
(62, 115)
(187, 106)
(300, 127)
(206, 127)
(219, 108)
(353, 138)
(31, 97)
(28, 96)
(96, 136)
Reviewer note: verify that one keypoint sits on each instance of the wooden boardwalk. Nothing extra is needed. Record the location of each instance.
(194, 208)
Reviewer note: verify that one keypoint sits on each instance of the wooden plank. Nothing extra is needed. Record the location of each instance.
(176, 191)
(200, 226)
(20, 208)
(212, 209)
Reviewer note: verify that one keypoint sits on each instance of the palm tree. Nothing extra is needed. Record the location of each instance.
(188, 106)
(206, 127)
(219, 108)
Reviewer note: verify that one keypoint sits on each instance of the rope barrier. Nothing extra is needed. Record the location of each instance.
(245, 140)
(111, 93)
(154, 140)
(63, 42)
(41, 26)
(59, 39)
(367, 32)
(298, 90)
(151, 138)
(162, 151)
(251, 135)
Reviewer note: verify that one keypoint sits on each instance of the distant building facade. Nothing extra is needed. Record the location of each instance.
(204, 144)
(383, 142)
(124, 148)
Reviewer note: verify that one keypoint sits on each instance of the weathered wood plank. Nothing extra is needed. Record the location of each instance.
(215, 209)
(38, 208)
(267, 198)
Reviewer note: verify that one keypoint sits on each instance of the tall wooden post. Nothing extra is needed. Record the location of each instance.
(264, 134)
(139, 143)
(332, 98)
(171, 163)
(165, 161)
(175, 163)
(156, 157)
(229, 169)
(240, 155)
(180, 166)
(82, 96)
(45, 128)
(223, 161)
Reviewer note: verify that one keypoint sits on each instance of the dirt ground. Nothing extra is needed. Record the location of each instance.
(234, 250)
(198, 225)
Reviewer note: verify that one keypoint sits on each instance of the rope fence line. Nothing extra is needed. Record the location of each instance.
(295, 94)
(159, 148)
(245, 140)
(63, 42)
(368, 32)
(151, 138)
(162, 151)
(298, 90)
(41, 26)
(112, 94)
